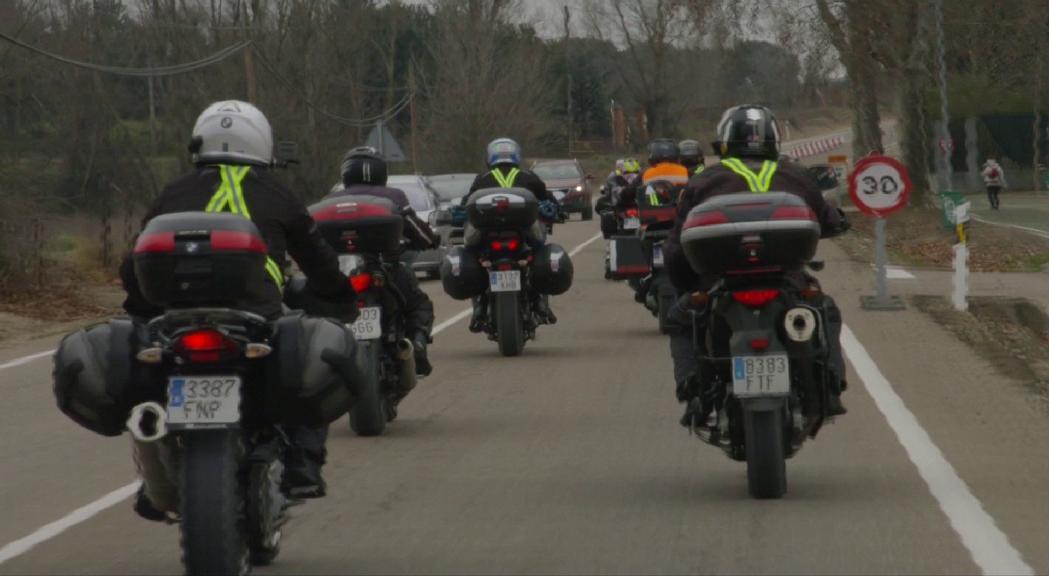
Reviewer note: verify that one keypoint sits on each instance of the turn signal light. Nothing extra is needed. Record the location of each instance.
(755, 298)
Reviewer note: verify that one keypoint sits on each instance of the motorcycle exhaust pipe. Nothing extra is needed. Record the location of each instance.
(407, 379)
(148, 422)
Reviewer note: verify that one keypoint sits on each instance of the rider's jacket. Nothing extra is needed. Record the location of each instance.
(287, 228)
(667, 171)
(735, 175)
(417, 232)
(509, 176)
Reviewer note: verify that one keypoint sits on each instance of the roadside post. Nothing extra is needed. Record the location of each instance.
(960, 280)
(879, 187)
(840, 163)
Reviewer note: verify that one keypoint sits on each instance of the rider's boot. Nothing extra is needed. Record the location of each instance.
(479, 319)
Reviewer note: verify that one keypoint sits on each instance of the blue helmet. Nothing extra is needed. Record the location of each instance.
(503, 151)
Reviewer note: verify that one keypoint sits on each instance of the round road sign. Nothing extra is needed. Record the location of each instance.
(879, 185)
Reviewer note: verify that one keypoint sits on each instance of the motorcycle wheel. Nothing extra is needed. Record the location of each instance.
(368, 414)
(213, 535)
(509, 323)
(264, 510)
(766, 458)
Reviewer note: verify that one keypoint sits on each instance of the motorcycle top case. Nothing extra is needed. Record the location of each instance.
(552, 270)
(364, 223)
(741, 233)
(313, 370)
(502, 209)
(628, 257)
(95, 374)
(190, 259)
(462, 275)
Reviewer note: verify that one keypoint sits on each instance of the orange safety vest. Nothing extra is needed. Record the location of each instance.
(668, 171)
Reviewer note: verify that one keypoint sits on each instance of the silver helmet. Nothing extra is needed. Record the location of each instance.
(233, 132)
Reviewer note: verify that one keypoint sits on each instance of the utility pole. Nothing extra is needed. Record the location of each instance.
(568, 75)
(249, 61)
(411, 111)
(152, 116)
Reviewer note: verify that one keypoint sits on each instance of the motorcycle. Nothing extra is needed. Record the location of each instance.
(206, 388)
(656, 219)
(505, 268)
(760, 333)
(366, 232)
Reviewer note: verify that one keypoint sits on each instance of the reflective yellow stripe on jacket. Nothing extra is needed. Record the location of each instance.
(230, 198)
(507, 180)
(758, 183)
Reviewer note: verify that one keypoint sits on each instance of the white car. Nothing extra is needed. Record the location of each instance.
(424, 201)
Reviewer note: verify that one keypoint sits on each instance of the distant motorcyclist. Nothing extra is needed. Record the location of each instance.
(663, 166)
(503, 157)
(749, 148)
(691, 156)
(232, 147)
(364, 172)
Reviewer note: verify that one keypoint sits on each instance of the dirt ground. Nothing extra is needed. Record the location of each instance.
(39, 313)
(1011, 333)
(917, 237)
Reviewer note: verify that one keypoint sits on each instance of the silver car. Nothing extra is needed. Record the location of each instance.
(424, 201)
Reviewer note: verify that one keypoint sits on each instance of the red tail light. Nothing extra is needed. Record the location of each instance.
(159, 242)
(361, 282)
(203, 345)
(793, 213)
(238, 241)
(706, 219)
(759, 344)
(755, 298)
(512, 245)
(631, 213)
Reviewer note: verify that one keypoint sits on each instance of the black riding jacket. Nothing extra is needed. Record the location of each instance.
(525, 179)
(283, 221)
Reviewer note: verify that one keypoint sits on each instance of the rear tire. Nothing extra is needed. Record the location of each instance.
(766, 454)
(508, 323)
(368, 415)
(264, 510)
(213, 535)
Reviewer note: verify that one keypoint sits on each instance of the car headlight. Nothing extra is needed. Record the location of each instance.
(579, 188)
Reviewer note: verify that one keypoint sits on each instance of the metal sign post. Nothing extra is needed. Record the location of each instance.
(879, 187)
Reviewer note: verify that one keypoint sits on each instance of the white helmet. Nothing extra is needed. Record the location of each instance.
(235, 132)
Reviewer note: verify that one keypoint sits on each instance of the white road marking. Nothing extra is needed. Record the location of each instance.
(897, 273)
(1035, 231)
(49, 531)
(25, 359)
(987, 544)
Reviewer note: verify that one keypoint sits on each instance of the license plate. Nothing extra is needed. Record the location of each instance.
(203, 401)
(631, 223)
(505, 280)
(657, 255)
(368, 326)
(761, 375)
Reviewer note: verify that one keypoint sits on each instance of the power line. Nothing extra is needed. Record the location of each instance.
(137, 72)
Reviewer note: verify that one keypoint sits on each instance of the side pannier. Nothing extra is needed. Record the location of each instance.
(95, 374)
(552, 270)
(462, 275)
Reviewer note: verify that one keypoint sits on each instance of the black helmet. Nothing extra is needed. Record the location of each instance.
(662, 150)
(691, 152)
(749, 131)
(363, 165)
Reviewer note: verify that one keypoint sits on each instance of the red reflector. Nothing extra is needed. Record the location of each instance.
(158, 242)
(706, 219)
(793, 213)
(361, 282)
(759, 344)
(755, 298)
(504, 267)
(348, 210)
(237, 241)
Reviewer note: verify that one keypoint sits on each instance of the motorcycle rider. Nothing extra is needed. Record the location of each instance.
(503, 157)
(663, 165)
(364, 172)
(232, 148)
(691, 156)
(749, 148)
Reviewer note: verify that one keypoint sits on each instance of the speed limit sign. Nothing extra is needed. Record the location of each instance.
(879, 185)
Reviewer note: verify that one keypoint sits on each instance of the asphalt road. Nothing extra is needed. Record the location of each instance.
(569, 459)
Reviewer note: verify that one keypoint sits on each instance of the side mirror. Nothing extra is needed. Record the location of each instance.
(286, 153)
(441, 218)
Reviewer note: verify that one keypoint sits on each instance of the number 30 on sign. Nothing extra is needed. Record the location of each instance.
(879, 185)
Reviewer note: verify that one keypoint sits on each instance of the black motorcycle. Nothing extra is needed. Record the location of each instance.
(205, 389)
(506, 266)
(366, 231)
(761, 332)
(657, 210)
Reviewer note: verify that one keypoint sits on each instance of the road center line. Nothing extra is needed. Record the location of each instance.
(25, 359)
(987, 544)
(49, 531)
(84, 513)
